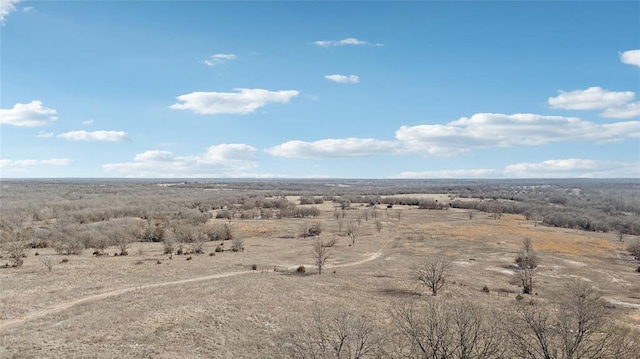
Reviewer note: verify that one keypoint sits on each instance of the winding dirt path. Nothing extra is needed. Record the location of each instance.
(59, 307)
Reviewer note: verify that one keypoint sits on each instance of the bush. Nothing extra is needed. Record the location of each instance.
(64, 260)
(254, 267)
(638, 270)
(219, 249)
(486, 289)
(301, 270)
(212, 254)
(224, 213)
(237, 245)
(519, 297)
(634, 249)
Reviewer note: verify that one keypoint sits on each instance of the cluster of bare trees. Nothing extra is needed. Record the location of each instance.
(573, 325)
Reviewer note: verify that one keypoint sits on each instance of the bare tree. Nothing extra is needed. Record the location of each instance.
(48, 262)
(341, 335)
(198, 239)
(353, 231)
(447, 330)
(379, 225)
(237, 244)
(432, 272)
(125, 234)
(527, 261)
(634, 249)
(320, 254)
(573, 327)
(15, 247)
(122, 240)
(340, 224)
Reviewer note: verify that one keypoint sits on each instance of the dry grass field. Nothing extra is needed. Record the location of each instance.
(147, 305)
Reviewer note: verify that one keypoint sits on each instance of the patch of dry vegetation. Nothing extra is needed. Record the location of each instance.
(255, 303)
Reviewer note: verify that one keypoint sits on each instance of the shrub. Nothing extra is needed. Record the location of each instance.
(519, 297)
(638, 270)
(486, 289)
(237, 245)
(224, 213)
(219, 249)
(64, 260)
(301, 270)
(212, 254)
(189, 258)
(254, 267)
(634, 249)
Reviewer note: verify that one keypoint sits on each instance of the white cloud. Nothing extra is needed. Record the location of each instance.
(43, 134)
(626, 111)
(224, 160)
(31, 114)
(6, 8)
(244, 101)
(343, 79)
(333, 148)
(17, 164)
(99, 136)
(479, 173)
(560, 168)
(56, 161)
(27, 8)
(573, 167)
(593, 98)
(350, 41)
(217, 59)
(484, 130)
(631, 57)
(88, 122)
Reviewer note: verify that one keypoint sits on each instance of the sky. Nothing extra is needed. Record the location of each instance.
(310, 89)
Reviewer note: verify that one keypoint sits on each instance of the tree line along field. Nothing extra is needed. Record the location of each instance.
(231, 269)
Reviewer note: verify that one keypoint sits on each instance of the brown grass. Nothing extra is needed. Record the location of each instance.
(217, 307)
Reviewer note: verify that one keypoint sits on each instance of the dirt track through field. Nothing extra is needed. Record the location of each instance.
(59, 307)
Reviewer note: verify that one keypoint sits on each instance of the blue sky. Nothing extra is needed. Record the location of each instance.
(319, 89)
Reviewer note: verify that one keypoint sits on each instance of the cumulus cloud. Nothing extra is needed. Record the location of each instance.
(97, 136)
(6, 8)
(350, 41)
(243, 101)
(217, 59)
(31, 114)
(484, 130)
(343, 79)
(615, 104)
(333, 148)
(593, 98)
(224, 160)
(626, 111)
(631, 57)
(88, 122)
